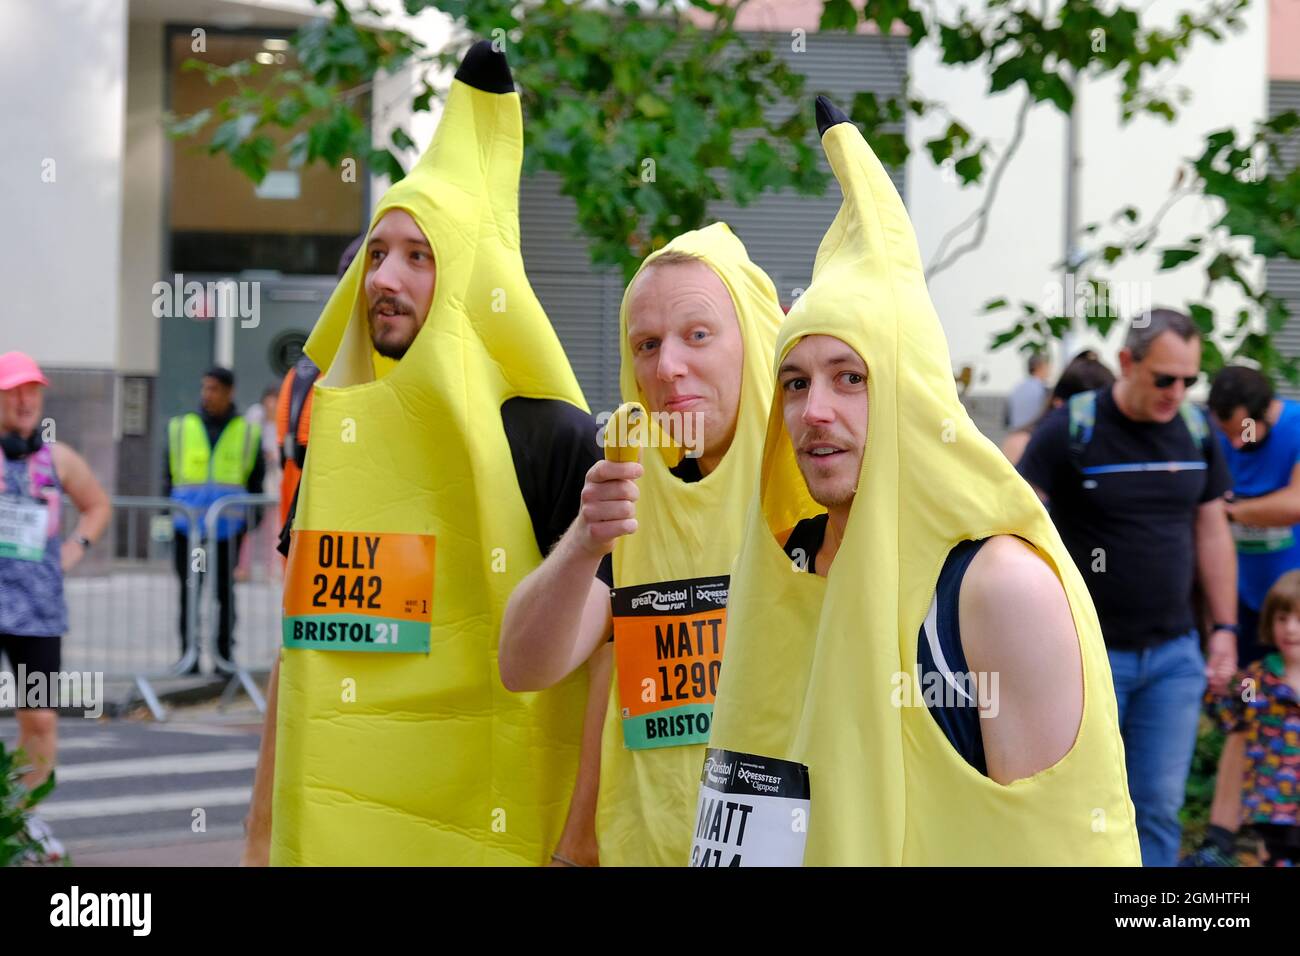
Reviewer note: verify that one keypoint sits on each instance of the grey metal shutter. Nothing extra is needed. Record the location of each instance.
(1284, 274)
(581, 300)
(781, 231)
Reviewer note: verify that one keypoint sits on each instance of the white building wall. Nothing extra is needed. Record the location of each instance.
(1138, 164)
(63, 73)
(391, 103)
(1135, 165)
(143, 209)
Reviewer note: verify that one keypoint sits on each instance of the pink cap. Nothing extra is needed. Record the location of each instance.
(16, 369)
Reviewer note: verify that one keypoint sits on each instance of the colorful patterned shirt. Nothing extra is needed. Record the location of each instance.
(1267, 709)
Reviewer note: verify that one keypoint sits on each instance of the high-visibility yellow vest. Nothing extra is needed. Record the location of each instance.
(424, 757)
(201, 474)
(685, 532)
(813, 665)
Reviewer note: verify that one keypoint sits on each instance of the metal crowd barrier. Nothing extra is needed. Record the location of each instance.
(124, 607)
(256, 572)
(124, 597)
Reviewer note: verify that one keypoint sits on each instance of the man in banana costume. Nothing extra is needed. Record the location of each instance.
(395, 741)
(915, 672)
(697, 327)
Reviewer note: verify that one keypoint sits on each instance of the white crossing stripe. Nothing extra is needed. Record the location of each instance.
(157, 766)
(144, 803)
(89, 742)
(207, 730)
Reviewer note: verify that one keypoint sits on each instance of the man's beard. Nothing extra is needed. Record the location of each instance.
(830, 495)
(833, 495)
(832, 499)
(390, 349)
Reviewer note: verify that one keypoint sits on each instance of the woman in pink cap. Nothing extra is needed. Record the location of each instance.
(33, 556)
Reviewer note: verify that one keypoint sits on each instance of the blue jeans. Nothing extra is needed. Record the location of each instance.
(1159, 693)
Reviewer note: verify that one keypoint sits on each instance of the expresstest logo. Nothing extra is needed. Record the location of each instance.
(761, 782)
(715, 592)
(75, 908)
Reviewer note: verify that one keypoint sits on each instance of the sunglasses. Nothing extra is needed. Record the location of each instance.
(1167, 381)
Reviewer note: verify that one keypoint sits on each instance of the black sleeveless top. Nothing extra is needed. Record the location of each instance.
(948, 688)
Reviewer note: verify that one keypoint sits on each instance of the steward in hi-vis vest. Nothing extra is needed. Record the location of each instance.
(201, 473)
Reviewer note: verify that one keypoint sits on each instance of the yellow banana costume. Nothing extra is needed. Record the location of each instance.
(810, 680)
(670, 589)
(423, 757)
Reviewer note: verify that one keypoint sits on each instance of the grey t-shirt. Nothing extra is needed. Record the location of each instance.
(1025, 403)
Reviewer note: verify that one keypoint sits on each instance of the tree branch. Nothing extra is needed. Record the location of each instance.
(980, 217)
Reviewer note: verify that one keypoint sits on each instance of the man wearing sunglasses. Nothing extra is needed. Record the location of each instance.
(1135, 483)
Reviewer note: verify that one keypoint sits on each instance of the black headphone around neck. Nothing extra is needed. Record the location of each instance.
(16, 446)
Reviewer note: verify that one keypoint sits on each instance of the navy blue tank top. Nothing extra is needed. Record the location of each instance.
(947, 685)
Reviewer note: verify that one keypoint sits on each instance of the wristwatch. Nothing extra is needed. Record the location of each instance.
(1236, 631)
(82, 540)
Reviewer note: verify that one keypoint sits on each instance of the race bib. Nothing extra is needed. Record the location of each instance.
(22, 528)
(1253, 540)
(668, 641)
(753, 811)
(355, 591)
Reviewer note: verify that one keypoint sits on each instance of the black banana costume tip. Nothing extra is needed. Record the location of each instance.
(828, 115)
(486, 69)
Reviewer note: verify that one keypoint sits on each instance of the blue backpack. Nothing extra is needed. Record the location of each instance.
(1083, 419)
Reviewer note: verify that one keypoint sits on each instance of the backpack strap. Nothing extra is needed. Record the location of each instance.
(1195, 421)
(1083, 419)
(304, 377)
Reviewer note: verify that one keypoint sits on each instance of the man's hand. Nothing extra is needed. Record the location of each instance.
(608, 505)
(1221, 660)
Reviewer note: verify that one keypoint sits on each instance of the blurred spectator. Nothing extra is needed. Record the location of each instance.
(34, 558)
(1085, 373)
(1135, 483)
(292, 426)
(1026, 401)
(209, 454)
(1260, 435)
(293, 421)
(259, 545)
(1261, 757)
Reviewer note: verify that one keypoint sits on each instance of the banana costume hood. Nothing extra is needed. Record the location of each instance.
(809, 740)
(411, 532)
(669, 600)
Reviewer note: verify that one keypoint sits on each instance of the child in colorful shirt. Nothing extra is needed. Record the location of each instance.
(1263, 715)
